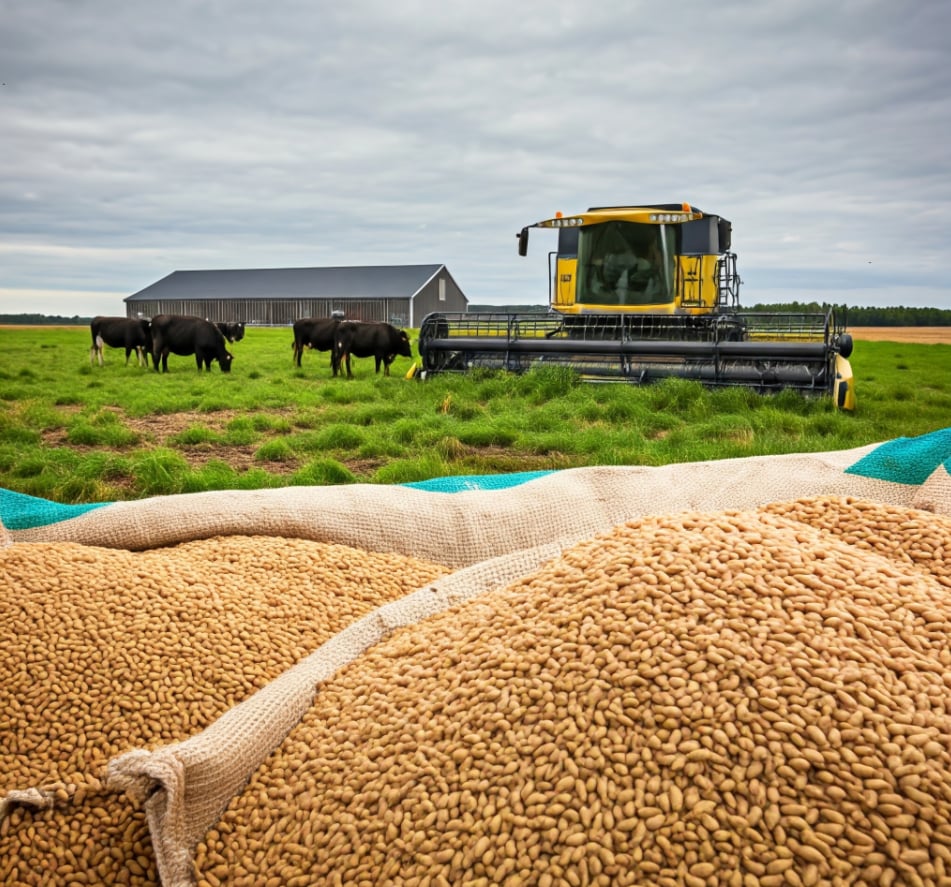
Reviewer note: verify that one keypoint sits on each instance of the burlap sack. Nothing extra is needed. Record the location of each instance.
(935, 493)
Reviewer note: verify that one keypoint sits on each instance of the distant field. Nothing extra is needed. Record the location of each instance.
(921, 335)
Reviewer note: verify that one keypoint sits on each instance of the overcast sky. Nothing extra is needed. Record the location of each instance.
(140, 139)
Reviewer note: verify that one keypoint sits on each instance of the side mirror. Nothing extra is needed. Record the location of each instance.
(523, 242)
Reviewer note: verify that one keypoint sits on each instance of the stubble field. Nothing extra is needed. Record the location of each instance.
(920, 335)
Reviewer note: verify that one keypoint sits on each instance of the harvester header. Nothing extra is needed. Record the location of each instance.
(643, 292)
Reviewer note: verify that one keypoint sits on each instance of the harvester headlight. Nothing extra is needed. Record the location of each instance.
(565, 223)
(671, 217)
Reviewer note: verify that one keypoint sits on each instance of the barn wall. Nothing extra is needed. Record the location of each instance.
(395, 311)
(275, 312)
(428, 299)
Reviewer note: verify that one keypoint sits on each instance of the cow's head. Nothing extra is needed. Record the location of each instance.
(403, 346)
(225, 362)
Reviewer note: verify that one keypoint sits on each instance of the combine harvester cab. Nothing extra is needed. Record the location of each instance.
(641, 293)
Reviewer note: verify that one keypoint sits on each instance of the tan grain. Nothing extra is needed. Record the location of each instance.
(105, 650)
(720, 699)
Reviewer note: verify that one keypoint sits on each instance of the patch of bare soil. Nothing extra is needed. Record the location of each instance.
(157, 431)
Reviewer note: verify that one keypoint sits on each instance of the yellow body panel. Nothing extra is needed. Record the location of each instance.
(844, 390)
(566, 274)
(697, 285)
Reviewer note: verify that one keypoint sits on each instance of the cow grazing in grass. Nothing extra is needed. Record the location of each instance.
(183, 335)
(130, 333)
(381, 341)
(316, 333)
(233, 332)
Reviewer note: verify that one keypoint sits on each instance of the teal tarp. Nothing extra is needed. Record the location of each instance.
(907, 460)
(476, 482)
(22, 512)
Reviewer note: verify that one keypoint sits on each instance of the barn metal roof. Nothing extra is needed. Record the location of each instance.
(356, 282)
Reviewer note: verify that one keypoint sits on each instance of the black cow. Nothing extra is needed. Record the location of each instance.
(130, 333)
(233, 332)
(316, 333)
(381, 341)
(183, 334)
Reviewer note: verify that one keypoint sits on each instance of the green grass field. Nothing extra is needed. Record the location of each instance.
(72, 432)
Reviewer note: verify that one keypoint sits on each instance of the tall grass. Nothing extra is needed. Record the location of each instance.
(72, 432)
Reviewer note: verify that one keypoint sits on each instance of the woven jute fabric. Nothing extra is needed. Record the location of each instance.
(935, 493)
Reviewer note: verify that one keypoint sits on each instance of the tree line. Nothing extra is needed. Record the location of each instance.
(895, 316)
(44, 320)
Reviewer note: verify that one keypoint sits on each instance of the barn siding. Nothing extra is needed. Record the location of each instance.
(427, 299)
(275, 312)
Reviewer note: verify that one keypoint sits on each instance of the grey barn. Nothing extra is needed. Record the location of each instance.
(399, 294)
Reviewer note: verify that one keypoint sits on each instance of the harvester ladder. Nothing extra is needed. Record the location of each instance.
(728, 282)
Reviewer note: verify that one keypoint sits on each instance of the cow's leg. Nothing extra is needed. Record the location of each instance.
(343, 360)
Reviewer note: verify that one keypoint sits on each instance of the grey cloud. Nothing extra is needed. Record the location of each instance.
(241, 135)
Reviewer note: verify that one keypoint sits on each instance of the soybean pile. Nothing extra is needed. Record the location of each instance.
(739, 698)
(106, 651)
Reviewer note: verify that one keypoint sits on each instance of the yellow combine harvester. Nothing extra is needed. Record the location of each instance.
(639, 293)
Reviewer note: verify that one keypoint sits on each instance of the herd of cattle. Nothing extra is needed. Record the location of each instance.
(186, 335)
